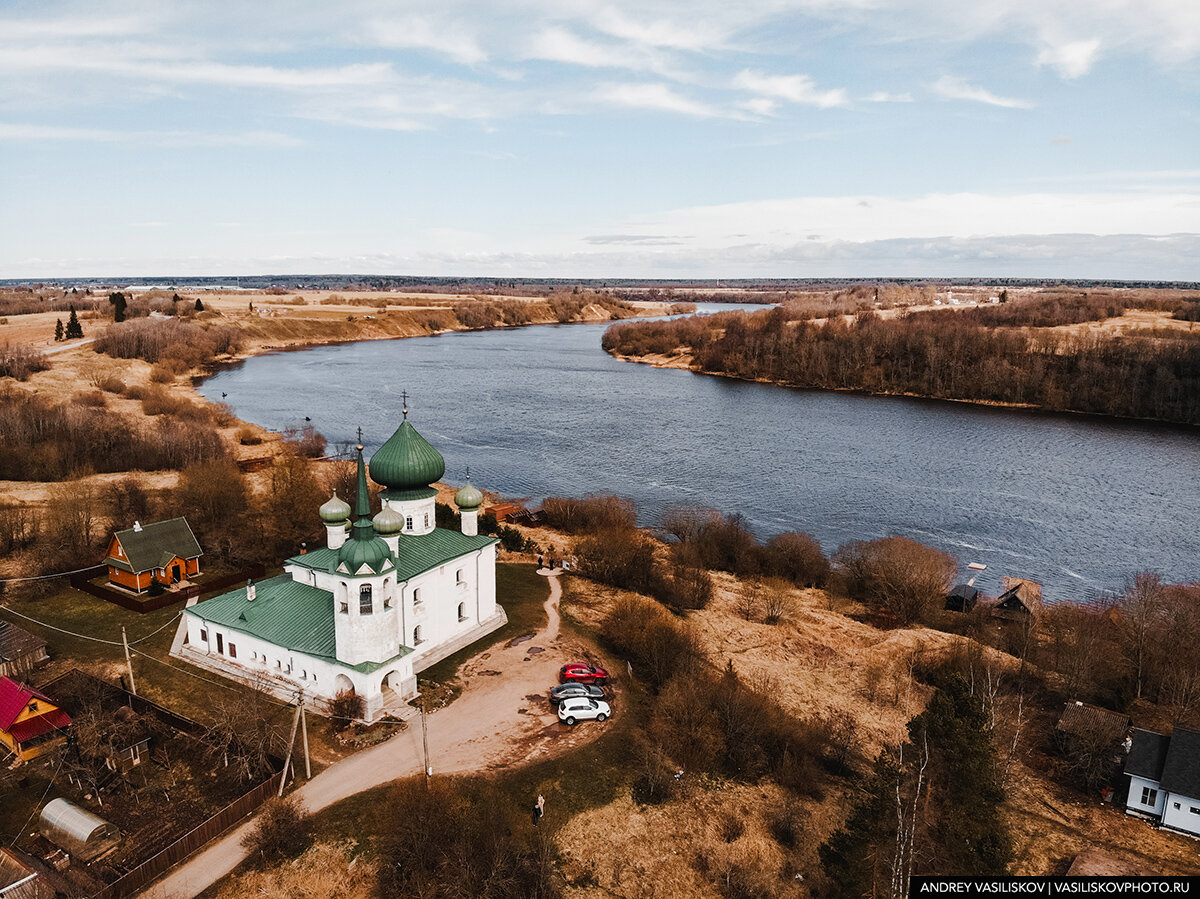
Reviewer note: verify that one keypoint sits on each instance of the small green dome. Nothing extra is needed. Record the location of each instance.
(468, 499)
(356, 551)
(335, 511)
(406, 461)
(388, 522)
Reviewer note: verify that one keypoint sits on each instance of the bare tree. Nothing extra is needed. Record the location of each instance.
(1142, 606)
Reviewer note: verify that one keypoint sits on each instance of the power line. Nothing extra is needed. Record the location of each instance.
(42, 577)
(88, 637)
(61, 758)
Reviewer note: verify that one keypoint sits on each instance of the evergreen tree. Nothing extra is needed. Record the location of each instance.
(58, 330)
(118, 303)
(199, 305)
(73, 328)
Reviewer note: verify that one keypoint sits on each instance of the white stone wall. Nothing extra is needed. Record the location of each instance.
(1185, 817)
(366, 636)
(288, 674)
(1134, 802)
(418, 514)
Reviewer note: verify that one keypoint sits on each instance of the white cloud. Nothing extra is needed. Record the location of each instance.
(885, 97)
(657, 96)
(13, 131)
(954, 88)
(792, 88)
(557, 44)
(1072, 58)
(425, 33)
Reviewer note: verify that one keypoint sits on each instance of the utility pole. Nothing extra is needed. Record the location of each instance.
(291, 743)
(304, 734)
(425, 742)
(128, 662)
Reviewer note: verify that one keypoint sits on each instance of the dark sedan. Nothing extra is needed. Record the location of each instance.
(575, 691)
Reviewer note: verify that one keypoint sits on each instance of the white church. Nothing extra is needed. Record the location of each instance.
(385, 599)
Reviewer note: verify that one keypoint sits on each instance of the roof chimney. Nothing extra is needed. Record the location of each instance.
(249, 590)
(137, 526)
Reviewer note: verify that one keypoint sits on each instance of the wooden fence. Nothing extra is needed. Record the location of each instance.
(82, 581)
(214, 827)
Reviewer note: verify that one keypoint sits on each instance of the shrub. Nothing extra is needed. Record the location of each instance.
(248, 437)
(307, 442)
(280, 831)
(344, 709)
(112, 384)
(19, 361)
(796, 557)
(93, 398)
(161, 374)
(658, 646)
(510, 538)
(903, 577)
(618, 557)
(683, 587)
(594, 512)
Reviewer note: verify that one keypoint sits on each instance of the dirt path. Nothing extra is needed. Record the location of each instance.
(502, 718)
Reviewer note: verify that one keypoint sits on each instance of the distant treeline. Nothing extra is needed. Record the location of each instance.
(941, 354)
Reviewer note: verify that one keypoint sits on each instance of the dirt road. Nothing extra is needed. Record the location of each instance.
(502, 718)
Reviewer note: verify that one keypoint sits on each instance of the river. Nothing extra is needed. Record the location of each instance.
(1078, 503)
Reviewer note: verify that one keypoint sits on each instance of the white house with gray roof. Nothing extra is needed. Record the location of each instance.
(1164, 778)
(383, 600)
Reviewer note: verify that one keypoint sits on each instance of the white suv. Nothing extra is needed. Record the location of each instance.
(581, 709)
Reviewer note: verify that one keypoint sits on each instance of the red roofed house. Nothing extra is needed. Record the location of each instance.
(30, 723)
(165, 551)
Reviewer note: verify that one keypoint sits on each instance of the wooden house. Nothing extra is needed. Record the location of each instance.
(165, 551)
(962, 598)
(1020, 601)
(1164, 778)
(31, 723)
(20, 651)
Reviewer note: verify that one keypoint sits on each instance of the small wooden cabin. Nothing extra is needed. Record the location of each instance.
(1020, 601)
(20, 651)
(1090, 722)
(31, 723)
(165, 551)
(962, 598)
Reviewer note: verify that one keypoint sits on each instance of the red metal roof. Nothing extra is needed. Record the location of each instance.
(35, 727)
(13, 698)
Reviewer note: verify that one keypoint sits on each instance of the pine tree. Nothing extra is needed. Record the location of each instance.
(73, 328)
(118, 303)
(199, 305)
(58, 330)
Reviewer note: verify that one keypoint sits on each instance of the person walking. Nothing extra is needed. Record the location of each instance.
(539, 809)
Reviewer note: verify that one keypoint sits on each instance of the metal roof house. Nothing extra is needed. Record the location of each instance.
(31, 723)
(77, 830)
(165, 551)
(1164, 778)
(962, 598)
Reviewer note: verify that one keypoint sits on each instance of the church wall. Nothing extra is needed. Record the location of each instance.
(366, 636)
(443, 591)
(419, 511)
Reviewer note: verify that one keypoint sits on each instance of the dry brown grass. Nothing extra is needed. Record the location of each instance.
(326, 871)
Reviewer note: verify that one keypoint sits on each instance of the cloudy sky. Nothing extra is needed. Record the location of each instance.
(709, 138)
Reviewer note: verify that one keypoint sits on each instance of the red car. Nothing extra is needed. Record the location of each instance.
(579, 673)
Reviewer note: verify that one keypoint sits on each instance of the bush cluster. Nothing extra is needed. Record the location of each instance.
(19, 361)
(171, 341)
(725, 543)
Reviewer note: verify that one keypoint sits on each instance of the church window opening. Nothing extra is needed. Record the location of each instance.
(426, 519)
(417, 638)
(417, 597)
(408, 523)
(458, 577)
(387, 603)
(345, 609)
(364, 600)
(220, 644)
(233, 650)
(204, 635)
(462, 611)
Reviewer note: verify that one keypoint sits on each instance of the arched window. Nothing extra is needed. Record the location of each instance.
(417, 597)
(364, 600)
(462, 611)
(458, 577)
(417, 638)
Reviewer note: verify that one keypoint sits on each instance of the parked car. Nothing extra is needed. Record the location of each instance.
(575, 691)
(579, 673)
(582, 709)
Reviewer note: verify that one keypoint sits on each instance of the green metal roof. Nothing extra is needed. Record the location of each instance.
(468, 497)
(296, 616)
(408, 493)
(418, 552)
(284, 612)
(147, 548)
(407, 460)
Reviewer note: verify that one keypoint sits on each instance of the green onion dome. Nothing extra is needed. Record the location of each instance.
(407, 461)
(388, 522)
(468, 499)
(361, 549)
(336, 511)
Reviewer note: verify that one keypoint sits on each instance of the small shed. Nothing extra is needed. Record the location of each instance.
(165, 551)
(77, 830)
(962, 598)
(1090, 722)
(1020, 601)
(31, 723)
(20, 880)
(20, 651)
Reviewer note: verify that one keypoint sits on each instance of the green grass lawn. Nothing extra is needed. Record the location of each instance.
(522, 592)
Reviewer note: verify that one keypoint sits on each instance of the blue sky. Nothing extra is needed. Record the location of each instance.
(763, 138)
